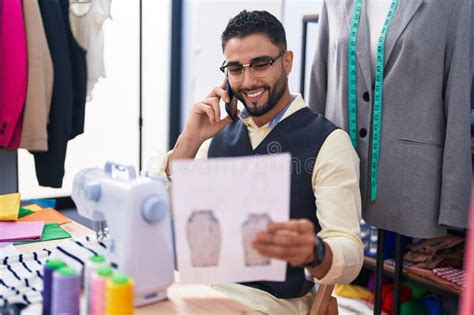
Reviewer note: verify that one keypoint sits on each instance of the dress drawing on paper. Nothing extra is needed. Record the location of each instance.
(254, 224)
(204, 237)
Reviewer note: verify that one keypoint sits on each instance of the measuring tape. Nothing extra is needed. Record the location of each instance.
(378, 91)
(352, 73)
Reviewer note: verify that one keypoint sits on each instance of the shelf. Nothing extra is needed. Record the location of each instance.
(429, 284)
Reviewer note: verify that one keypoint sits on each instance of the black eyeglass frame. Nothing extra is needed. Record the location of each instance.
(270, 61)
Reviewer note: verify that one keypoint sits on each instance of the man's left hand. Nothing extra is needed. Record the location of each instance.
(292, 241)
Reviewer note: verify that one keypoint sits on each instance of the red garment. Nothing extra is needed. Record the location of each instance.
(13, 74)
(387, 297)
(467, 297)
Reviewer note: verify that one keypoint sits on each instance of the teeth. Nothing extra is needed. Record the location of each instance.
(256, 93)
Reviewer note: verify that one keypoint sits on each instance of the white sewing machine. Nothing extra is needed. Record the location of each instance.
(133, 213)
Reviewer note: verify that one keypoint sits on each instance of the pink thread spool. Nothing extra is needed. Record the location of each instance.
(98, 281)
(91, 266)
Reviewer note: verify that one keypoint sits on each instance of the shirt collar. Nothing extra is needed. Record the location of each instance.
(295, 104)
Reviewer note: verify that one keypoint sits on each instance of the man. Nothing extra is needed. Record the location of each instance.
(324, 192)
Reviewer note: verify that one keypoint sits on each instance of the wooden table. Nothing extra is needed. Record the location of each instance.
(182, 299)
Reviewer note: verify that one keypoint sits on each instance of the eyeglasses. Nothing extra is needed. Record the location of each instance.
(259, 67)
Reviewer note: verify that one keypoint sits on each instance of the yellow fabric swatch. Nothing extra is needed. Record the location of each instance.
(33, 207)
(9, 207)
(352, 291)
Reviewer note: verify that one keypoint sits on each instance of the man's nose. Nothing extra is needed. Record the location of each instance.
(249, 79)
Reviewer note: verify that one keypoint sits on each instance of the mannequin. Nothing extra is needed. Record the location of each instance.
(422, 183)
(377, 10)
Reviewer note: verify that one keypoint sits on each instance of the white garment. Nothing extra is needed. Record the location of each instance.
(87, 20)
(21, 274)
(377, 11)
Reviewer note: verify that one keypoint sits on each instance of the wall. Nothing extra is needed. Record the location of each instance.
(204, 22)
(293, 13)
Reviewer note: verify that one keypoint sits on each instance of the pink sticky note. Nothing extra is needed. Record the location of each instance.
(19, 231)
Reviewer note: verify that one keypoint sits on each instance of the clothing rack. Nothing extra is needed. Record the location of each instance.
(9, 158)
(379, 270)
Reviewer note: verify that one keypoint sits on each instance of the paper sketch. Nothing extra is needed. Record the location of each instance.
(254, 224)
(204, 238)
(219, 205)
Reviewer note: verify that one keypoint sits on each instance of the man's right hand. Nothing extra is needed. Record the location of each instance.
(203, 123)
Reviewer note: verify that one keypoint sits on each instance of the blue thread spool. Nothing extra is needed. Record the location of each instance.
(66, 292)
(50, 266)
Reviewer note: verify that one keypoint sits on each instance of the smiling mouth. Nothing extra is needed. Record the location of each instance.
(255, 93)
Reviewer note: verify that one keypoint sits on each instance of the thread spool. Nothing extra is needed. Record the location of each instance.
(119, 295)
(66, 292)
(50, 266)
(96, 305)
(91, 265)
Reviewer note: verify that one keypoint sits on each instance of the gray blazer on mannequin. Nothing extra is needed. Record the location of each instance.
(424, 172)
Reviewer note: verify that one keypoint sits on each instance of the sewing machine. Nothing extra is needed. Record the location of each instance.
(132, 214)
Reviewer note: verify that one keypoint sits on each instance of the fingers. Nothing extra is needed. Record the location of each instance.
(285, 239)
(206, 109)
(292, 241)
(296, 256)
(214, 103)
(278, 251)
(302, 226)
(220, 93)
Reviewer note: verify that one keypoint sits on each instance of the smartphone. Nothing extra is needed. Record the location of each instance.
(231, 108)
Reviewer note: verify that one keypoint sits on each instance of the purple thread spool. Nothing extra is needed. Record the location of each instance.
(66, 292)
(50, 266)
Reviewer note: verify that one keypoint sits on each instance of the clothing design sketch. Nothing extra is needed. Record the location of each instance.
(204, 238)
(254, 224)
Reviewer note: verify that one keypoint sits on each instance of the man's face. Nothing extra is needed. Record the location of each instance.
(259, 95)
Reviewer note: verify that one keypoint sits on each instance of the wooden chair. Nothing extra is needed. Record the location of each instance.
(324, 303)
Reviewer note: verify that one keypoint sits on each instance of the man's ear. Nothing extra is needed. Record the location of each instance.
(288, 61)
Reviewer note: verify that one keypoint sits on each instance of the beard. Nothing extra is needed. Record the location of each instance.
(274, 96)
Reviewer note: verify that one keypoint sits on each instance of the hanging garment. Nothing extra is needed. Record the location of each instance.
(13, 74)
(424, 167)
(50, 165)
(77, 57)
(87, 21)
(39, 91)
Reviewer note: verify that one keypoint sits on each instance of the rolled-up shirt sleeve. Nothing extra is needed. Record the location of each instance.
(200, 155)
(338, 201)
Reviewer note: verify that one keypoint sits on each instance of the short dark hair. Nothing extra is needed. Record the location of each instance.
(253, 22)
